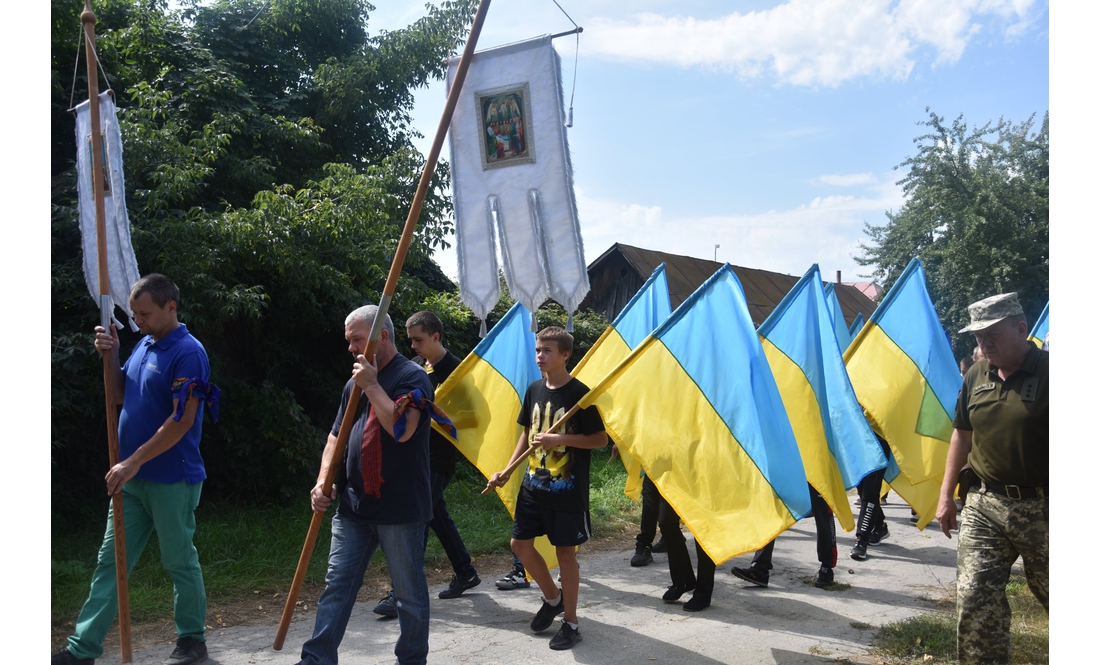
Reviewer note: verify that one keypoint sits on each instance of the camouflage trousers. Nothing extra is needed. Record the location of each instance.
(993, 531)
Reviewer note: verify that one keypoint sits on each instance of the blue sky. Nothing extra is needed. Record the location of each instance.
(770, 129)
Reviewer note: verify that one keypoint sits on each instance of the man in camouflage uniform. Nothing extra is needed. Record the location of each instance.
(1002, 431)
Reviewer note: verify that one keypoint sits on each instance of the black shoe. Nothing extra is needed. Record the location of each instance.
(660, 547)
(460, 584)
(643, 556)
(65, 657)
(824, 577)
(859, 551)
(188, 651)
(517, 579)
(544, 618)
(566, 638)
(696, 603)
(387, 607)
(879, 535)
(675, 591)
(753, 575)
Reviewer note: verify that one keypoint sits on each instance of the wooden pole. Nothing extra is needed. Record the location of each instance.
(88, 18)
(380, 317)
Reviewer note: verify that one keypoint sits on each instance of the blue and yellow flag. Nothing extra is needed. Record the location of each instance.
(840, 326)
(857, 325)
(905, 376)
(696, 404)
(837, 445)
(483, 397)
(1042, 327)
(648, 309)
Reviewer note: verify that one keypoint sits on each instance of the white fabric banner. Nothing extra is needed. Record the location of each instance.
(122, 265)
(511, 174)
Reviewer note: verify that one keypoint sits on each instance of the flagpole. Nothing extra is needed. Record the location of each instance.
(88, 18)
(383, 308)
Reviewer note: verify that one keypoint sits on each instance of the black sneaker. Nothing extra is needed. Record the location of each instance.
(65, 657)
(696, 603)
(643, 556)
(566, 638)
(752, 575)
(660, 547)
(387, 607)
(859, 551)
(879, 535)
(544, 618)
(188, 651)
(675, 591)
(824, 577)
(460, 584)
(517, 579)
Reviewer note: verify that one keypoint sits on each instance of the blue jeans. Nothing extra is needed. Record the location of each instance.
(446, 530)
(353, 545)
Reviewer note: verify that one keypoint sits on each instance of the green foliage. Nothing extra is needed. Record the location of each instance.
(977, 216)
(269, 171)
(931, 634)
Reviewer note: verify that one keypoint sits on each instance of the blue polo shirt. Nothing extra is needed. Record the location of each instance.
(154, 373)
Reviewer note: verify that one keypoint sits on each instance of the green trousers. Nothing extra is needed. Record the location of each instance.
(147, 506)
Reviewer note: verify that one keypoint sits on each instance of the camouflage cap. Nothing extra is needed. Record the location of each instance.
(985, 313)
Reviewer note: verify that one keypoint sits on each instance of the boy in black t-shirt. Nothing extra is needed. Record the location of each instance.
(553, 498)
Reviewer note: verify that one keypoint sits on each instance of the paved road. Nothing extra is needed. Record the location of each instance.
(623, 620)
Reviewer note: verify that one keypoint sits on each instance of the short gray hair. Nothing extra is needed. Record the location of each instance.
(366, 314)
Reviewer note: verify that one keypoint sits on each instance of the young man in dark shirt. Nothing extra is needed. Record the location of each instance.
(553, 498)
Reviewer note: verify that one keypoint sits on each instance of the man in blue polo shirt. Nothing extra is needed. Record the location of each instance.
(161, 388)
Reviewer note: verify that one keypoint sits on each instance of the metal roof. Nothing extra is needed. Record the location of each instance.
(763, 289)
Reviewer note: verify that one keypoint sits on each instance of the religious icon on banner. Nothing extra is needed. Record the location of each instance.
(504, 118)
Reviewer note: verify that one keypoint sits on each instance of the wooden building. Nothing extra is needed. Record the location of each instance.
(620, 271)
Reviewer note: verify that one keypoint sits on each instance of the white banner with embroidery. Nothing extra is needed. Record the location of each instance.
(122, 268)
(511, 175)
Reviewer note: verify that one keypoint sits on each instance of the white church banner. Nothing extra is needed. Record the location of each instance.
(513, 181)
(122, 265)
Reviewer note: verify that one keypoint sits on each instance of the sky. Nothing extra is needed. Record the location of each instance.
(769, 129)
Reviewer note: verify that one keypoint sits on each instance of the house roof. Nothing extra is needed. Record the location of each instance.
(764, 289)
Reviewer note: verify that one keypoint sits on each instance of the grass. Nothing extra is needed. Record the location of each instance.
(835, 586)
(912, 640)
(248, 549)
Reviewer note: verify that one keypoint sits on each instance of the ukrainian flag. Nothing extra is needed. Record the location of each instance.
(905, 376)
(648, 309)
(857, 325)
(696, 404)
(837, 445)
(483, 397)
(1042, 327)
(843, 337)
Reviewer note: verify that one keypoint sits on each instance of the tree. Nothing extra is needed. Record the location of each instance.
(269, 170)
(976, 214)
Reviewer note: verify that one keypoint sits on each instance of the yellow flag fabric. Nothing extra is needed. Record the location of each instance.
(648, 309)
(713, 436)
(483, 397)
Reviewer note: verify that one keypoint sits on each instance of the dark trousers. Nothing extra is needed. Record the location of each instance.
(446, 530)
(871, 516)
(651, 499)
(679, 561)
(826, 536)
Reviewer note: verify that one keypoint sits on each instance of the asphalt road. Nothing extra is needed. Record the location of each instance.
(623, 620)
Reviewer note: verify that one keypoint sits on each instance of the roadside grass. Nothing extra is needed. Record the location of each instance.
(913, 640)
(246, 551)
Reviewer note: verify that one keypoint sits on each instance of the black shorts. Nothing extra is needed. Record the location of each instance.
(562, 528)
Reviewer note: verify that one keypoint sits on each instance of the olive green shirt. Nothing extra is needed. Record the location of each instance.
(1009, 420)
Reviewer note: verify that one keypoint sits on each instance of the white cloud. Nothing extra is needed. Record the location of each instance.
(808, 42)
(826, 230)
(845, 180)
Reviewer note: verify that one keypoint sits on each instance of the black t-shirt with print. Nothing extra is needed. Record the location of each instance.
(558, 478)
